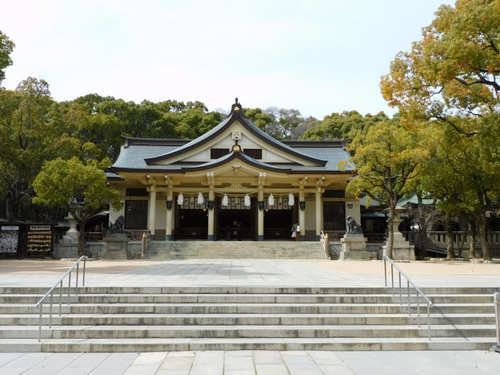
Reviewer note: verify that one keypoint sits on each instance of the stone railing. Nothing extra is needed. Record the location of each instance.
(460, 241)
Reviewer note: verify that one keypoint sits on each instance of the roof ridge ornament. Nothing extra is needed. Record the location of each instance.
(236, 106)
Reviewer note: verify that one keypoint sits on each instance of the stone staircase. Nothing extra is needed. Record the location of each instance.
(236, 250)
(141, 319)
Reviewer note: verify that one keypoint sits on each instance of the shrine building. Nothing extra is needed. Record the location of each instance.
(233, 182)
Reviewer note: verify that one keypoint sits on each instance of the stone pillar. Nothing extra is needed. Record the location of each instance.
(302, 214)
(260, 215)
(401, 249)
(319, 212)
(152, 210)
(170, 211)
(211, 214)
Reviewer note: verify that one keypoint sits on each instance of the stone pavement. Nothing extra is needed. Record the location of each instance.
(247, 272)
(252, 363)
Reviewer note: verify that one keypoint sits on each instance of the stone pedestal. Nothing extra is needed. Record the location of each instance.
(115, 246)
(401, 249)
(67, 247)
(354, 247)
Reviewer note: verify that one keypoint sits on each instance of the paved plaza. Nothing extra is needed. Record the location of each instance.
(252, 363)
(248, 272)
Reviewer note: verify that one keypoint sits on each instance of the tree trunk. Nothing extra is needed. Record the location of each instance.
(449, 238)
(390, 237)
(485, 249)
(471, 238)
(81, 238)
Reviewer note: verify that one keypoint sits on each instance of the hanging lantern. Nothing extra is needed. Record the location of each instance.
(200, 200)
(180, 199)
(247, 201)
(270, 200)
(225, 201)
(291, 200)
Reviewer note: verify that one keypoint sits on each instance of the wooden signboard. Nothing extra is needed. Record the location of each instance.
(39, 239)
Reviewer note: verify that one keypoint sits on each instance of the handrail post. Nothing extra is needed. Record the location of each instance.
(77, 271)
(40, 324)
(50, 309)
(497, 314)
(69, 286)
(60, 298)
(385, 272)
(400, 290)
(418, 307)
(83, 276)
(409, 302)
(429, 319)
(392, 275)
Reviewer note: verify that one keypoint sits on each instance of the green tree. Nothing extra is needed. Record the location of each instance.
(63, 183)
(343, 125)
(6, 48)
(454, 70)
(464, 172)
(388, 157)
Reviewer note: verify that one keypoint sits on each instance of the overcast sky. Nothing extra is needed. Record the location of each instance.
(315, 56)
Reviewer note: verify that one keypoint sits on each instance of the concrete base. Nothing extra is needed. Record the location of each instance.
(401, 249)
(115, 246)
(66, 250)
(354, 247)
(68, 246)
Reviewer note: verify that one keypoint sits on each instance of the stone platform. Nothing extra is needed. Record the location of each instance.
(236, 250)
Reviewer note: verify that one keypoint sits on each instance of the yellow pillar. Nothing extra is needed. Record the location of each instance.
(260, 215)
(211, 214)
(170, 207)
(319, 213)
(302, 214)
(152, 210)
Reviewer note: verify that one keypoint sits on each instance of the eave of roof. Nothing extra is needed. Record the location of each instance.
(235, 115)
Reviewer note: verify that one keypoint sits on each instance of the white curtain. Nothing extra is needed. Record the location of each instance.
(201, 200)
(270, 200)
(291, 200)
(225, 200)
(180, 199)
(247, 201)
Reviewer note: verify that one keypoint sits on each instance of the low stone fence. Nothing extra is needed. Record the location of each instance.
(461, 243)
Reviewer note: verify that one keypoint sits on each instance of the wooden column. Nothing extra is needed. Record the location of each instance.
(152, 210)
(170, 211)
(260, 215)
(302, 213)
(211, 214)
(319, 213)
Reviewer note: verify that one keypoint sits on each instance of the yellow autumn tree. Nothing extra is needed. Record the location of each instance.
(388, 157)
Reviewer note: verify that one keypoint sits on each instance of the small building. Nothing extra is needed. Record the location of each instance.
(233, 182)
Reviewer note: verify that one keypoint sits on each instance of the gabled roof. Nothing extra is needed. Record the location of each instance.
(235, 115)
(236, 155)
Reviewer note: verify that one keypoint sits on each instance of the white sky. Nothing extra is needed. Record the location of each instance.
(315, 56)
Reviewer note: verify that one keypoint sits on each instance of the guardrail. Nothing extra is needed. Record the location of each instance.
(418, 292)
(497, 314)
(59, 284)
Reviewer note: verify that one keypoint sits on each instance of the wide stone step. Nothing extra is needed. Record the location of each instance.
(252, 290)
(280, 344)
(246, 319)
(291, 331)
(219, 308)
(244, 298)
(235, 250)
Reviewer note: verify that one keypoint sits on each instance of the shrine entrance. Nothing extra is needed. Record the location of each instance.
(235, 221)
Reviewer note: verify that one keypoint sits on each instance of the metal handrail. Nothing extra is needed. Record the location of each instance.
(418, 292)
(497, 314)
(59, 284)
